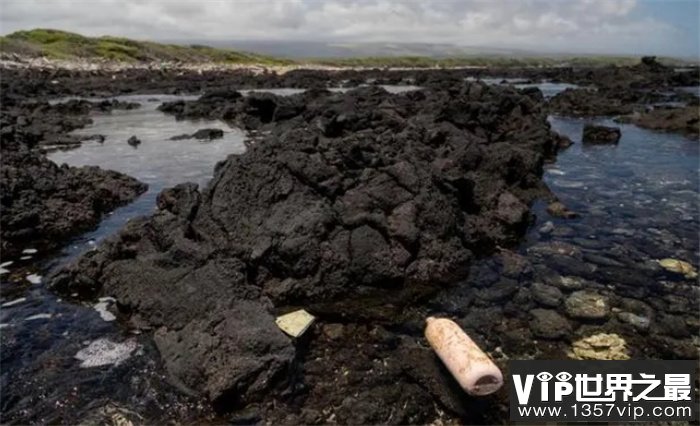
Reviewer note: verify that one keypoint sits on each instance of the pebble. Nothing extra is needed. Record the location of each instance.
(548, 324)
(546, 295)
(547, 227)
(637, 321)
(601, 346)
(586, 304)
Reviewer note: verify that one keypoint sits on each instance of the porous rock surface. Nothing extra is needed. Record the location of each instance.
(44, 203)
(349, 196)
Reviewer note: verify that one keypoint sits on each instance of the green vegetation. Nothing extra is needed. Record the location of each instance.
(57, 44)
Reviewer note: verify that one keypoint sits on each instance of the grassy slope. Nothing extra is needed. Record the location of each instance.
(57, 44)
(64, 45)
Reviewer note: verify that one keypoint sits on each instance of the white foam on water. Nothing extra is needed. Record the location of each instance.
(105, 352)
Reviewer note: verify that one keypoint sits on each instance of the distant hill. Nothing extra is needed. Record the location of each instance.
(57, 44)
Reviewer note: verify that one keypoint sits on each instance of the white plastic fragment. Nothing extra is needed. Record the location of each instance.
(38, 317)
(101, 308)
(6, 264)
(14, 302)
(469, 365)
(295, 323)
(34, 278)
(25, 258)
(29, 251)
(105, 352)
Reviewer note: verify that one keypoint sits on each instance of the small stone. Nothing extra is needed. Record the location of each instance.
(546, 295)
(680, 267)
(605, 347)
(547, 228)
(548, 324)
(600, 134)
(587, 305)
(558, 209)
(637, 321)
(134, 141)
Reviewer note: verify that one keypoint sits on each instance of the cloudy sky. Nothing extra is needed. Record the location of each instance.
(664, 27)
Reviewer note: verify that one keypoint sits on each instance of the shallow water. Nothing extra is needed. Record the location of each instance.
(637, 202)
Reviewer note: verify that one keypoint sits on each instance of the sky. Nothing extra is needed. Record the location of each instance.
(633, 27)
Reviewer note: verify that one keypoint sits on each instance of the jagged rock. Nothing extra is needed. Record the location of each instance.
(347, 195)
(134, 141)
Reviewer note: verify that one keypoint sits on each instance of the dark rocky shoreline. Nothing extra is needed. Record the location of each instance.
(365, 207)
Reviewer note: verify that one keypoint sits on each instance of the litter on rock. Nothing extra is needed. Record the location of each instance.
(295, 323)
(14, 302)
(468, 364)
(34, 278)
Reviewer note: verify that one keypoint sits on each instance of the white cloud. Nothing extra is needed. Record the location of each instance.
(605, 26)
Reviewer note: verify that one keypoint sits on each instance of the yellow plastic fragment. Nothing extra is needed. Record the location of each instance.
(295, 323)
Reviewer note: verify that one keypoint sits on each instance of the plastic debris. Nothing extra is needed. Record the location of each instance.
(105, 352)
(38, 317)
(101, 308)
(469, 365)
(679, 267)
(34, 278)
(29, 251)
(605, 347)
(295, 323)
(3, 270)
(14, 302)
(6, 264)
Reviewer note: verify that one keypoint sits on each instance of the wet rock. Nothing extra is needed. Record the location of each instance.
(364, 197)
(679, 266)
(637, 321)
(594, 134)
(684, 121)
(43, 203)
(547, 228)
(604, 347)
(201, 134)
(546, 295)
(134, 141)
(548, 324)
(586, 304)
